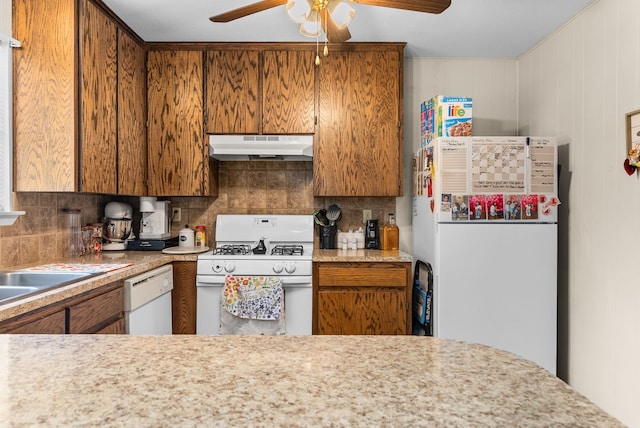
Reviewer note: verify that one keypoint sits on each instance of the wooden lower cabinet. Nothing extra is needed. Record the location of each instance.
(97, 311)
(183, 297)
(361, 298)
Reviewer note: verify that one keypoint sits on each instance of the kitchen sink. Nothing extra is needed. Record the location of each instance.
(10, 291)
(21, 283)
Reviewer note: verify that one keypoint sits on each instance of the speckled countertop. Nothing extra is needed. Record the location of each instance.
(162, 381)
(361, 255)
(140, 261)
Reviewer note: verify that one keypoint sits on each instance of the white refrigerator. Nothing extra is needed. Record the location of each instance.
(485, 219)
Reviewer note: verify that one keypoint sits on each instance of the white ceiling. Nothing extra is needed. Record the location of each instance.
(468, 28)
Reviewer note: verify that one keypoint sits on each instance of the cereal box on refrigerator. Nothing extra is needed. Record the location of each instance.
(448, 117)
(427, 122)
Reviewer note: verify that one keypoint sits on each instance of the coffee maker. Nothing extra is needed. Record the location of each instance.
(372, 235)
(155, 226)
(156, 218)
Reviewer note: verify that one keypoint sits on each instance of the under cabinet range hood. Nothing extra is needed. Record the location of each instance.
(261, 147)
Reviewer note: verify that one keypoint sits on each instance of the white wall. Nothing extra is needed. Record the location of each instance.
(491, 83)
(5, 16)
(577, 85)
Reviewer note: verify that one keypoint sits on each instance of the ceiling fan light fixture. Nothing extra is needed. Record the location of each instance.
(341, 13)
(299, 10)
(311, 26)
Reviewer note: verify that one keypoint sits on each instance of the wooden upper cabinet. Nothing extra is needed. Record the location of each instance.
(45, 100)
(179, 163)
(288, 98)
(98, 83)
(132, 117)
(358, 147)
(260, 92)
(232, 92)
(67, 120)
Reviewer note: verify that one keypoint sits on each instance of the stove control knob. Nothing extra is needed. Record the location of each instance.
(217, 268)
(290, 268)
(229, 267)
(277, 268)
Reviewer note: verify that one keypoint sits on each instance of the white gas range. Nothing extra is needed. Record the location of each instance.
(259, 245)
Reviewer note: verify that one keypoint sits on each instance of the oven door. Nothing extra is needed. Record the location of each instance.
(298, 304)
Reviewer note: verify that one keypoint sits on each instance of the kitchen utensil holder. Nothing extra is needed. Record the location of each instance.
(328, 237)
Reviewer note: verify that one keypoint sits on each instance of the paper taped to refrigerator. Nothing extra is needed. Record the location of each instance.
(495, 165)
(489, 178)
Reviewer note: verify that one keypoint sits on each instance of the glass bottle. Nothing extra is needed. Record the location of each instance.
(390, 234)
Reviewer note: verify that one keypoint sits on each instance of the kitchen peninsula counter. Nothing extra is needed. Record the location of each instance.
(360, 255)
(102, 380)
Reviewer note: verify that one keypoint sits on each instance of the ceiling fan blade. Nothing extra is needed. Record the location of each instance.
(427, 6)
(250, 9)
(334, 34)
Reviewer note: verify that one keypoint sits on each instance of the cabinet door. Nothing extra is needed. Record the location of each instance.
(288, 98)
(132, 116)
(362, 311)
(98, 97)
(45, 112)
(358, 149)
(178, 150)
(232, 92)
(183, 298)
(117, 327)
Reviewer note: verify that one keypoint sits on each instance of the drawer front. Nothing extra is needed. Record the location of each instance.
(362, 277)
(90, 315)
(51, 324)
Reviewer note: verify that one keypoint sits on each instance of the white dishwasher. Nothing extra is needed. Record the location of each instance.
(147, 302)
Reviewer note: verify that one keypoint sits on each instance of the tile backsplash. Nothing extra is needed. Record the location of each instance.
(254, 187)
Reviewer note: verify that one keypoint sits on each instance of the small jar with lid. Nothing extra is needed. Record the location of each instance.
(201, 236)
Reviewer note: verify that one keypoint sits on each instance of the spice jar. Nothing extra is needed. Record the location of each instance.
(201, 236)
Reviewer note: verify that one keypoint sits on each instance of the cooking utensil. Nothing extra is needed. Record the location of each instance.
(334, 213)
(320, 217)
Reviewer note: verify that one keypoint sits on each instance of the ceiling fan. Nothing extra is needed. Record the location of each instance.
(333, 16)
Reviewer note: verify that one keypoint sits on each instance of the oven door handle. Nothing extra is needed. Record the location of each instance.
(296, 281)
(287, 281)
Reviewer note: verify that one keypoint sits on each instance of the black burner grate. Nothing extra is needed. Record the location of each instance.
(232, 250)
(287, 250)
